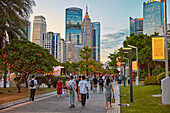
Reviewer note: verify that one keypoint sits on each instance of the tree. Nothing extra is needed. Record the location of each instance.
(24, 57)
(13, 18)
(86, 55)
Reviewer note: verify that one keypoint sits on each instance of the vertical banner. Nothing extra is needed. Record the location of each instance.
(158, 49)
(134, 65)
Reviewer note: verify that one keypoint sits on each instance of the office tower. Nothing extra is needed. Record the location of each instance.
(28, 31)
(47, 41)
(96, 41)
(62, 50)
(39, 29)
(73, 25)
(77, 51)
(55, 44)
(87, 31)
(136, 25)
(59, 49)
(70, 51)
(153, 20)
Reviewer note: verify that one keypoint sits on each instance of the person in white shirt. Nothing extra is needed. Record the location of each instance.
(71, 86)
(32, 87)
(83, 90)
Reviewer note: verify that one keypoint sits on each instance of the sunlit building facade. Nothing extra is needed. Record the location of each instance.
(73, 25)
(136, 25)
(96, 41)
(87, 31)
(47, 41)
(153, 17)
(39, 29)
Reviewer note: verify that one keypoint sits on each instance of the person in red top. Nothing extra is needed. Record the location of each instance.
(59, 87)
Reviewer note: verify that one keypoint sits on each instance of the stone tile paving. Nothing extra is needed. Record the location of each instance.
(54, 104)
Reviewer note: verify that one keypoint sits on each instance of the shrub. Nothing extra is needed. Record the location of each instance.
(152, 80)
(157, 71)
(160, 77)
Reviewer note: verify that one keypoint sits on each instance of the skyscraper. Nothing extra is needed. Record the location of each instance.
(136, 25)
(153, 17)
(87, 31)
(73, 25)
(27, 31)
(39, 29)
(96, 41)
(47, 41)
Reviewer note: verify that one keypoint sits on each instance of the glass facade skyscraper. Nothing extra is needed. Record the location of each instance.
(153, 17)
(39, 29)
(136, 25)
(73, 25)
(96, 41)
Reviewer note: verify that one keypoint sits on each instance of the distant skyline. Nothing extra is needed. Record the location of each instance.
(113, 16)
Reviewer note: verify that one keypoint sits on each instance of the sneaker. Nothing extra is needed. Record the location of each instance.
(82, 107)
(58, 95)
(29, 99)
(73, 106)
(70, 107)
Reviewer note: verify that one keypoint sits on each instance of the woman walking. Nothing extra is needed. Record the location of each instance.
(66, 86)
(59, 87)
(108, 93)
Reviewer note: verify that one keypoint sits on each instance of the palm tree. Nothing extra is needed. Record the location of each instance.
(14, 16)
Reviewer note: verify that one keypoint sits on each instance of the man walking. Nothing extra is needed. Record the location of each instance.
(101, 83)
(32, 87)
(83, 90)
(94, 84)
(71, 87)
(77, 83)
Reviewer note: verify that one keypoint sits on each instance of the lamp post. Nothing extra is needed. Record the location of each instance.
(129, 50)
(123, 63)
(137, 77)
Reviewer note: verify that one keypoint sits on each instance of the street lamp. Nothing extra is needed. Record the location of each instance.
(137, 77)
(129, 50)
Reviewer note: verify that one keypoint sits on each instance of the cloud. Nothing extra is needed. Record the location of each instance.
(112, 41)
(108, 28)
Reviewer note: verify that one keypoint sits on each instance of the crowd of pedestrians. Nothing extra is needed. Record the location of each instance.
(80, 86)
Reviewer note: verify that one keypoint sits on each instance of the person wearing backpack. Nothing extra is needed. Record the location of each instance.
(77, 83)
(32, 87)
(101, 83)
(94, 84)
(71, 87)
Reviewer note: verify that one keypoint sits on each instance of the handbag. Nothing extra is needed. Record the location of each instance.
(113, 100)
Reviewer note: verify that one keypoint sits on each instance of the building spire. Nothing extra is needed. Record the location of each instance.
(86, 9)
(86, 16)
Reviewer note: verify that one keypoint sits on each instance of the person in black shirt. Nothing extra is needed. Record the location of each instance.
(94, 84)
(101, 83)
(77, 83)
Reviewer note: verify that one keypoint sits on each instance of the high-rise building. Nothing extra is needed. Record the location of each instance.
(153, 20)
(87, 31)
(70, 51)
(55, 44)
(77, 51)
(47, 41)
(96, 41)
(62, 50)
(136, 25)
(39, 29)
(73, 25)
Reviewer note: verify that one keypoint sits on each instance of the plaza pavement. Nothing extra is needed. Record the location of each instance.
(55, 104)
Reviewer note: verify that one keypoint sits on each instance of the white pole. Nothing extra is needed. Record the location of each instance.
(165, 37)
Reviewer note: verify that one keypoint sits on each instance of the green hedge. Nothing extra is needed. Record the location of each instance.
(152, 80)
(161, 76)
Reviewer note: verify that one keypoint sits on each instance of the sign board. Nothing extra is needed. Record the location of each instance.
(158, 49)
(134, 65)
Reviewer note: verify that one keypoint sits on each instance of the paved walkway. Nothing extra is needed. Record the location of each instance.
(54, 104)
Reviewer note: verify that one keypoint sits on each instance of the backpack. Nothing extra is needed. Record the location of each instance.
(70, 86)
(31, 83)
(95, 80)
(101, 81)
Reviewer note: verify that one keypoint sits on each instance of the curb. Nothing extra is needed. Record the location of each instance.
(9, 104)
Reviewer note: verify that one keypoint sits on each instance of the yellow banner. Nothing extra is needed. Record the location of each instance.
(158, 48)
(134, 65)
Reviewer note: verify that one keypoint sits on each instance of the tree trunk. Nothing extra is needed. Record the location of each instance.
(18, 84)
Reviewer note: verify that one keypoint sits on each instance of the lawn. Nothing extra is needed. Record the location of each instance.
(13, 95)
(143, 100)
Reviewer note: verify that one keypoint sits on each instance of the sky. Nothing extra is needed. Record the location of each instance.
(113, 16)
